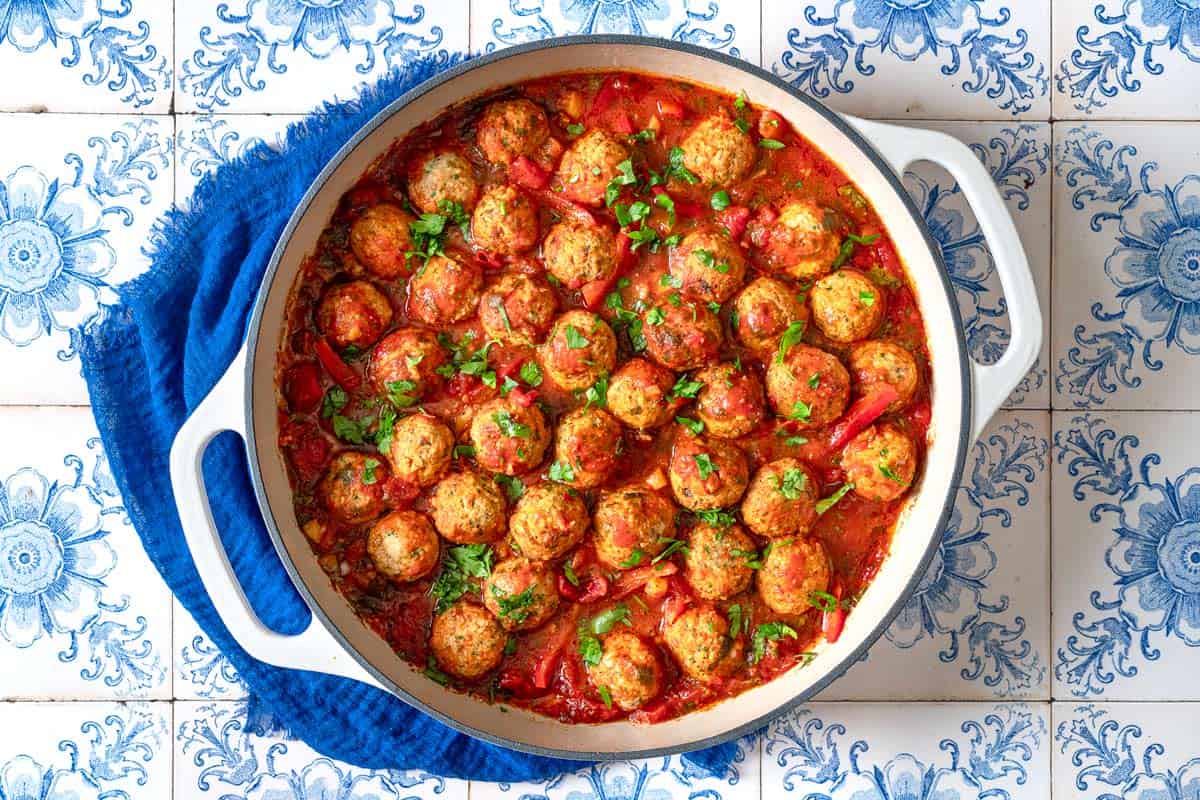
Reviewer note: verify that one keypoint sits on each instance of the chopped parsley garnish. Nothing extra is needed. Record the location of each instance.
(400, 393)
(676, 169)
(605, 696)
(664, 201)
(707, 259)
(368, 474)
(562, 472)
(463, 451)
(384, 426)
(628, 214)
(510, 427)
(890, 473)
(590, 649)
(515, 607)
(814, 380)
(801, 411)
(575, 129)
(625, 319)
(454, 210)
(348, 430)
(852, 194)
(508, 385)
(793, 484)
(823, 601)
(694, 426)
(740, 102)
(459, 567)
(569, 574)
(645, 135)
(791, 336)
(685, 387)
(597, 394)
(720, 200)
(608, 619)
(716, 517)
(428, 234)
(334, 401)
(465, 360)
(513, 487)
(624, 177)
(672, 546)
(655, 316)
(768, 632)
(827, 503)
(432, 672)
(752, 557)
(866, 298)
(705, 465)
(644, 236)
(791, 441)
(531, 373)
(742, 125)
(575, 339)
(635, 558)
(669, 281)
(771, 144)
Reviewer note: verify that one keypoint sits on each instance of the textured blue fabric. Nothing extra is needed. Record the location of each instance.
(151, 361)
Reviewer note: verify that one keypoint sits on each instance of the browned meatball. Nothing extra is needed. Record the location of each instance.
(421, 449)
(699, 639)
(880, 462)
(467, 641)
(792, 571)
(505, 221)
(406, 362)
(809, 386)
(517, 309)
(782, 499)
(352, 488)
(577, 254)
(720, 561)
(680, 337)
(444, 290)
(638, 394)
(548, 521)
(629, 671)
(589, 164)
(764, 310)
(718, 151)
(438, 177)
(846, 305)
(403, 546)
(633, 525)
(731, 403)
(353, 314)
(803, 244)
(879, 363)
(508, 437)
(580, 349)
(587, 447)
(707, 473)
(468, 508)
(521, 593)
(511, 128)
(380, 239)
(708, 266)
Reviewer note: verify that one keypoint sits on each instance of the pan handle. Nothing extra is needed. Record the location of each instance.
(314, 649)
(990, 384)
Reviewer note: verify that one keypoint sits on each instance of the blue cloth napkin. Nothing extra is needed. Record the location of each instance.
(151, 361)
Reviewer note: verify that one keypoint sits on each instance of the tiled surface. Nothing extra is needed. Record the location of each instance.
(1081, 499)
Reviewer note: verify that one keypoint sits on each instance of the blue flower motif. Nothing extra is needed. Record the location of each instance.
(320, 780)
(320, 26)
(908, 27)
(53, 256)
(1182, 785)
(29, 24)
(22, 778)
(906, 778)
(614, 16)
(1175, 23)
(53, 558)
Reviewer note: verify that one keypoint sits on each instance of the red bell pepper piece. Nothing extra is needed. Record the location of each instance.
(670, 107)
(594, 292)
(622, 124)
(770, 125)
(547, 661)
(526, 173)
(339, 370)
(865, 411)
(524, 397)
(564, 207)
(634, 579)
(832, 622)
(735, 219)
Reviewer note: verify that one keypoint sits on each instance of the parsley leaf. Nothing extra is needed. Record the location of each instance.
(704, 465)
(597, 393)
(655, 316)
(672, 546)
(515, 607)
(368, 475)
(768, 632)
(510, 427)
(694, 426)
(794, 483)
(562, 472)
(685, 387)
(348, 430)
(460, 565)
(400, 393)
(531, 373)
(624, 177)
(575, 129)
(720, 200)
(890, 474)
(634, 559)
(716, 517)
(575, 339)
(801, 411)
(771, 144)
(513, 487)
(823, 601)
(676, 169)
(334, 401)
(791, 336)
(827, 503)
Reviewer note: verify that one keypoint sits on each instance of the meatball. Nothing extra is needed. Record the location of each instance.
(523, 594)
(380, 238)
(707, 473)
(589, 164)
(548, 521)
(718, 151)
(579, 350)
(517, 309)
(588, 445)
(352, 488)
(628, 670)
(765, 309)
(708, 266)
(880, 462)
(731, 403)
(880, 363)
(577, 254)
(803, 244)
(403, 546)
(508, 437)
(631, 521)
(792, 570)
(444, 290)
(846, 305)
(467, 641)
(686, 336)
(353, 314)
(638, 394)
(699, 639)
(511, 128)
(505, 221)
(782, 499)
(406, 361)
(720, 561)
(421, 449)
(809, 386)
(441, 177)
(468, 508)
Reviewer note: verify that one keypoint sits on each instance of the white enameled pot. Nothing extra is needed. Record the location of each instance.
(964, 396)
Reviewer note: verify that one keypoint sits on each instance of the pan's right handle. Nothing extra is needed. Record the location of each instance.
(313, 649)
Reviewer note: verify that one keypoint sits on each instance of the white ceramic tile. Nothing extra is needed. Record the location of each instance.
(249, 56)
(1126, 59)
(978, 627)
(910, 750)
(650, 778)
(86, 56)
(83, 613)
(967, 59)
(79, 751)
(207, 141)
(201, 671)
(1126, 266)
(732, 26)
(220, 753)
(90, 189)
(1126, 554)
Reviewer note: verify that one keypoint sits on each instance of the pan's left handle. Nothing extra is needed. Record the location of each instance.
(314, 649)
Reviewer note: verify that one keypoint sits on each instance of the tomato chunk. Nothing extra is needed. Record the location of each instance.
(526, 173)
